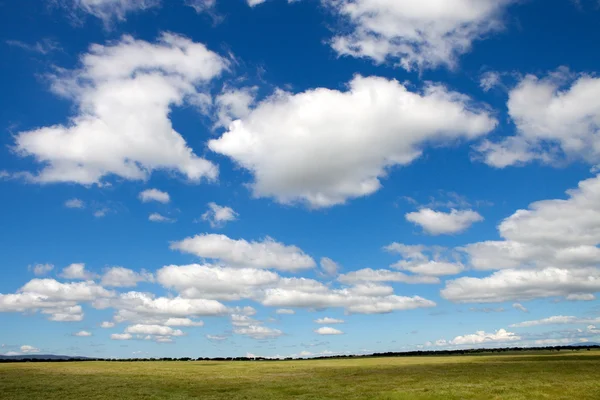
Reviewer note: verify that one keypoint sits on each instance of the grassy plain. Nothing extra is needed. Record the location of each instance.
(566, 375)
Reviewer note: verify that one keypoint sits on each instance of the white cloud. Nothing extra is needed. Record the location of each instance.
(306, 293)
(156, 217)
(42, 269)
(549, 249)
(183, 322)
(82, 334)
(556, 320)
(43, 47)
(111, 10)
(384, 275)
(218, 215)
(253, 3)
(329, 266)
(123, 277)
(514, 284)
(581, 297)
(213, 282)
(216, 337)
(124, 92)
(101, 213)
(26, 349)
(479, 337)
(74, 203)
(441, 223)
(240, 253)
(325, 330)
(309, 146)
(329, 321)
(121, 336)
(201, 6)
(415, 34)
(285, 311)
(520, 307)
(258, 332)
(424, 260)
(157, 330)
(107, 325)
(553, 122)
(234, 104)
(154, 195)
(490, 80)
(76, 271)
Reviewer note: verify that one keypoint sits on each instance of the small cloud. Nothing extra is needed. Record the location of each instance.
(329, 267)
(101, 212)
(83, 334)
(75, 203)
(520, 307)
(26, 349)
(76, 271)
(218, 215)
(285, 311)
(327, 321)
(44, 46)
(107, 324)
(328, 331)
(217, 338)
(121, 336)
(41, 269)
(490, 80)
(156, 217)
(149, 195)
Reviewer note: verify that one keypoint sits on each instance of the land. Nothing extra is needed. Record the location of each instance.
(539, 375)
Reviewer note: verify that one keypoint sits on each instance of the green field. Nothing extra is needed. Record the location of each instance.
(564, 375)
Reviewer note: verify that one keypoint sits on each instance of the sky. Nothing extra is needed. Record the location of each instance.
(223, 178)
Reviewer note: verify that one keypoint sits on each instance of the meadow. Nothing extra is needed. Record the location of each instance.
(564, 375)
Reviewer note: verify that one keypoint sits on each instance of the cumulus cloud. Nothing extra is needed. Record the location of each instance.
(480, 337)
(441, 223)
(258, 332)
(156, 330)
(213, 282)
(489, 80)
(424, 260)
(27, 349)
(42, 269)
(309, 147)
(124, 92)
(557, 118)
(549, 249)
(329, 321)
(74, 203)
(123, 277)
(121, 336)
(415, 34)
(107, 325)
(285, 311)
(76, 271)
(83, 334)
(156, 217)
(183, 322)
(325, 330)
(233, 104)
(154, 195)
(241, 253)
(218, 215)
(329, 267)
(384, 275)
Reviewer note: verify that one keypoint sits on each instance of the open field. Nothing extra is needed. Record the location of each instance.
(537, 376)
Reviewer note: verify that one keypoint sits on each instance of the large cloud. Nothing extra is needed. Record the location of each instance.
(124, 93)
(325, 146)
(415, 33)
(557, 117)
(550, 249)
(241, 253)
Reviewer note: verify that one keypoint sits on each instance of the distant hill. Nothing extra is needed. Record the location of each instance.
(40, 357)
(583, 344)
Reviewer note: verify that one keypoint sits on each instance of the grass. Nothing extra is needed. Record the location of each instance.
(537, 376)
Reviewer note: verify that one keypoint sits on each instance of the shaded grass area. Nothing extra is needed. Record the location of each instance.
(563, 376)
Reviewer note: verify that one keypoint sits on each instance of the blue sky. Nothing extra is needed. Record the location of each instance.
(222, 178)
